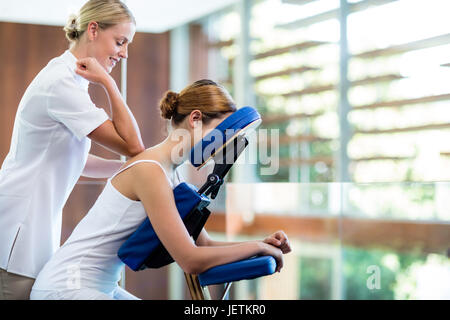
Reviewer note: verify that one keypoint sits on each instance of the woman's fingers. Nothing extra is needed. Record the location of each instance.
(279, 260)
(280, 240)
(270, 250)
(286, 248)
(278, 255)
(90, 69)
(81, 65)
(85, 64)
(285, 245)
(273, 241)
(83, 69)
(81, 73)
(280, 235)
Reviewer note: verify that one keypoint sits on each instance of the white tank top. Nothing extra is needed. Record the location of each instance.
(88, 259)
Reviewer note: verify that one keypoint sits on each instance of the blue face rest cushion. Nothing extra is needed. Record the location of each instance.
(222, 133)
(143, 248)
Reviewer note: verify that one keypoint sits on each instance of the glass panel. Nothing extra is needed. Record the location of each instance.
(400, 114)
(364, 241)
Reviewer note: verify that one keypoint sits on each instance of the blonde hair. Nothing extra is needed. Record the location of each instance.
(105, 12)
(210, 98)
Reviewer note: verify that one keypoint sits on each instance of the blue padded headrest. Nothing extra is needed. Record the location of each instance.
(222, 133)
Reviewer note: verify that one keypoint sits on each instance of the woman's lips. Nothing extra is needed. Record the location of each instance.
(113, 61)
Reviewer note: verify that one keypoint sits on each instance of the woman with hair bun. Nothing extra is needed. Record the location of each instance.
(54, 125)
(87, 265)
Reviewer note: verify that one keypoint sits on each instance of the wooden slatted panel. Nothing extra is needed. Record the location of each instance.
(271, 119)
(397, 103)
(220, 44)
(282, 50)
(310, 90)
(368, 80)
(374, 158)
(407, 129)
(303, 138)
(299, 2)
(333, 14)
(284, 72)
(294, 47)
(410, 46)
(305, 161)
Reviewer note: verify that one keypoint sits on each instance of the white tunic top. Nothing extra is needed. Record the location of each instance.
(48, 151)
(88, 259)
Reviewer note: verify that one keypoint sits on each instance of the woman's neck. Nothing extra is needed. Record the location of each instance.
(172, 151)
(79, 50)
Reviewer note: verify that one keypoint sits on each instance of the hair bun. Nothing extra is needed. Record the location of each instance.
(168, 104)
(71, 29)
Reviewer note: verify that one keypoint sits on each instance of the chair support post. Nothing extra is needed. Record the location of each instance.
(227, 288)
(194, 287)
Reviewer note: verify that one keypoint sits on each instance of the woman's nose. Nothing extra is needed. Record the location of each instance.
(124, 52)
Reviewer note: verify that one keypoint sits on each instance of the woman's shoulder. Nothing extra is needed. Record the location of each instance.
(57, 76)
(144, 164)
(52, 74)
(135, 174)
(147, 155)
(60, 71)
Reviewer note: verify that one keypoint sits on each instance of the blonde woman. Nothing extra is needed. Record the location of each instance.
(55, 123)
(87, 265)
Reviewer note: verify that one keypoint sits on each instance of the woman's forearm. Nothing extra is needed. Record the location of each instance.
(214, 243)
(124, 121)
(97, 167)
(205, 240)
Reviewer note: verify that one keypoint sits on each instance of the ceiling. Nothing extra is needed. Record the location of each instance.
(151, 15)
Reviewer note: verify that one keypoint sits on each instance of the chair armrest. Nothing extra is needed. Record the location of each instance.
(240, 270)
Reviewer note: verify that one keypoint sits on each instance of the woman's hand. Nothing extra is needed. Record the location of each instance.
(90, 69)
(280, 240)
(269, 250)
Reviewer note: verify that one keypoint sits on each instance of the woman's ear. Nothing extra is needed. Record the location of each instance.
(194, 118)
(92, 30)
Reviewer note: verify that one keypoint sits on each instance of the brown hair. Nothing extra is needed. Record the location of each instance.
(210, 98)
(105, 12)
